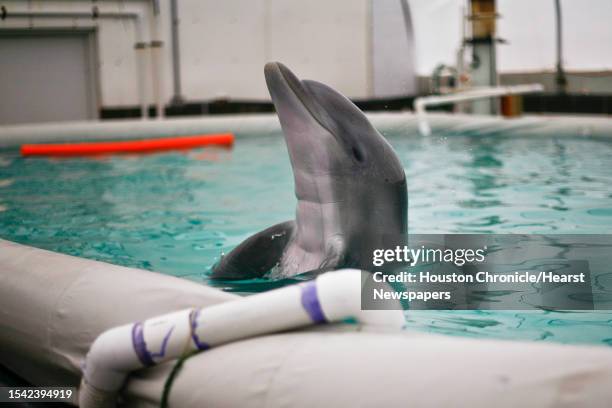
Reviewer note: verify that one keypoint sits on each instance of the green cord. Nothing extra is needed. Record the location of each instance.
(170, 380)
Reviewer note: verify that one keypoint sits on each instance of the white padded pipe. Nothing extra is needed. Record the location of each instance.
(332, 297)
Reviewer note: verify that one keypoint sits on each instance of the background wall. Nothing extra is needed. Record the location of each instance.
(65, 76)
(115, 38)
(360, 47)
(226, 44)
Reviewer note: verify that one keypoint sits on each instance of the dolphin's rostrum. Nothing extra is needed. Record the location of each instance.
(350, 187)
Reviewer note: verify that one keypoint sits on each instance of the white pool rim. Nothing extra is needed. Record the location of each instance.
(54, 306)
(404, 123)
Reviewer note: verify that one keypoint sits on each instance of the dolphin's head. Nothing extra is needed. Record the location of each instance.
(327, 134)
(350, 185)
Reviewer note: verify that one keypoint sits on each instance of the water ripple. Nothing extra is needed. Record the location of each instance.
(177, 213)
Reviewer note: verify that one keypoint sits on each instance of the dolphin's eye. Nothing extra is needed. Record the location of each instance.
(358, 154)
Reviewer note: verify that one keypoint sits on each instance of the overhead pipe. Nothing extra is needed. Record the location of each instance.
(139, 46)
(332, 297)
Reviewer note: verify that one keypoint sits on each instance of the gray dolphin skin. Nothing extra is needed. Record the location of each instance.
(350, 188)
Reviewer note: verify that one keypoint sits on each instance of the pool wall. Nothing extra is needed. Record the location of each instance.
(253, 125)
(55, 305)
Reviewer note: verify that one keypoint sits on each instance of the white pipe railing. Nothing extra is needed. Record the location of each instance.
(332, 297)
(421, 103)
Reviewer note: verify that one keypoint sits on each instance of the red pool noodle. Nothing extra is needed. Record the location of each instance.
(128, 146)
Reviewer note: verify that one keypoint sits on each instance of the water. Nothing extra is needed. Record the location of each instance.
(177, 212)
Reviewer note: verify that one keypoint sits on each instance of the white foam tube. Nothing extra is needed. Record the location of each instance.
(332, 297)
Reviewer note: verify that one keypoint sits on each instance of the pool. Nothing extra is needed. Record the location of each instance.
(177, 212)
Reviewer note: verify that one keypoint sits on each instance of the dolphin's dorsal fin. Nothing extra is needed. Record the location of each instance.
(256, 255)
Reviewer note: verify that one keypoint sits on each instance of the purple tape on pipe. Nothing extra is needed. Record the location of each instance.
(201, 345)
(311, 304)
(140, 347)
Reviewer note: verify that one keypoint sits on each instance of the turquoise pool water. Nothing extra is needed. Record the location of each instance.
(176, 212)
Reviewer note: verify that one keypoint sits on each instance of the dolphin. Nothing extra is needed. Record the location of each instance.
(349, 184)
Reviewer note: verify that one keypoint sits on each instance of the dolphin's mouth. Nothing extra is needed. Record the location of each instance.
(280, 79)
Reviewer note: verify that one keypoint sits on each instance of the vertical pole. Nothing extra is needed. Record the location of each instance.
(177, 98)
(140, 48)
(157, 60)
(560, 78)
(412, 85)
(461, 107)
(484, 61)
